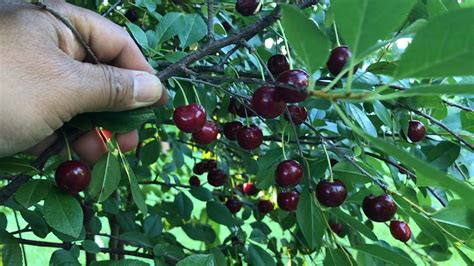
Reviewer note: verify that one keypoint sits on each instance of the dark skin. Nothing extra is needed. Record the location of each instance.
(45, 81)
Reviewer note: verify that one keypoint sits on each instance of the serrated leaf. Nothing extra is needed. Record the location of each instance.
(169, 26)
(259, 256)
(12, 165)
(194, 30)
(63, 213)
(105, 177)
(384, 254)
(11, 255)
(138, 34)
(121, 121)
(362, 119)
(309, 219)
(153, 226)
(201, 193)
(355, 224)
(134, 187)
(197, 260)
(32, 192)
(461, 217)
(90, 246)
(220, 214)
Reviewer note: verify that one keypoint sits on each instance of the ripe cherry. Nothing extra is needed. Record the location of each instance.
(216, 177)
(231, 128)
(204, 166)
(265, 206)
(194, 181)
(416, 131)
(338, 59)
(288, 173)
(190, 118)
(331, 194)
(400, 230)
(337, 228)
(207, 134)
(248, 7)
(249, 189)
(131, 15)
(278, 64)
(239, 109)
(296, 78)
(266, 103)
(298, 114)
(250, 137)
(379, 209)
(333, 162)
(73, 176)
(288, 201)
(210, 165)
(233, 204)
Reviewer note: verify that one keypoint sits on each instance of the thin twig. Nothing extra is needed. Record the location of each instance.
(112, 7)
(210, 20)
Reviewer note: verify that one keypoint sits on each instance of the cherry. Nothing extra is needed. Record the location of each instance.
(265, 206)
(288, 173)
(204, 166)
(233, 204)
(416, 131)
(249, 189)
(278, 64)
(333, 162)
(216, 177)
(227, 26)
(288, 201)
(207, 134)
(211, 164)
(73, 176)
(190, 118)
(266, 103)
(231, 128)
(131, 15)
(337, 228)
(338, 59)
(239, 109)
(331, 194)
(379, 209)
(296, 78)
(194, 181)
(250, 137)
(400, 230)
(248, 7)
(298, 114)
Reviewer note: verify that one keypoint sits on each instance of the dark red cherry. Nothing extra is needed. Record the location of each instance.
(278, 64)
(131, 15)
(337, 228)
(288, 201)
(416, 131)
(231, 128)
(296, 78)
(210, 165)
(194, 181)
(207, 134)
(331, 194)
(190, 118)
(266, 103)
(379, 209)
(338, 59)
(249, 189)
(333, 161)
(288, 173)
(227, 26)
(249, 138)
(400, 230)
(265, 206)
(216, 177)
(298, 114)
(204, 166)
(233, 204)
(73, 176)
(235, 107)
(248, 7)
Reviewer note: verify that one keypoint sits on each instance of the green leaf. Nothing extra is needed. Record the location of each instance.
(443, 155)
(63, 213)
(427, 90)
(461, 217)
(384, 254)
(355, 224)
(201, 193)
(125, 262)
(362, 119)
(170, 25)
(194, 30)
(36, 221)
(136, 238)
(138, 34)
(32, 192)
(305, 38)
(121, 121)
(383, 68)
(90, 246)
(150, 152)
(337, 257)
(449, 55)
(200, 232)
(105, 177)
(11, 255)
(382, 113)
(259, 256)
(134, 187)
(197, 260)
(310, 220)
(266, 168)
(153, 226)
(11, 165)
(362, 23)
(63, 257)
(220, 214)
(429, 228)
(183, 205)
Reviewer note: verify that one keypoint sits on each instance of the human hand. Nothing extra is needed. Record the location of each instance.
(45, 81)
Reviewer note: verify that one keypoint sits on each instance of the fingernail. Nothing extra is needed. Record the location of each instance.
(147, 87)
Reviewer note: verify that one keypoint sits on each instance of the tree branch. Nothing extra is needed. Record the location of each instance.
(112, 7)
(210, 20)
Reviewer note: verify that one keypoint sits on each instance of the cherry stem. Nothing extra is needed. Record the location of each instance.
(286, 44)
(197, 95)
(68, 148)
(336, 34)
(331, 176)
(182, 91)
(283, 142)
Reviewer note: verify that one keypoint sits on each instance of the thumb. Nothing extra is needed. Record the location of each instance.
(108, 88)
